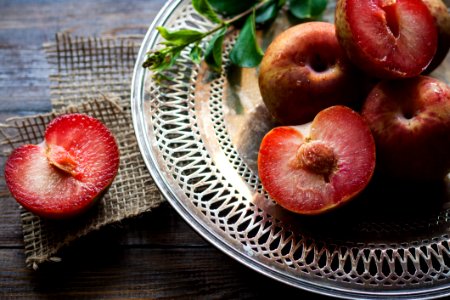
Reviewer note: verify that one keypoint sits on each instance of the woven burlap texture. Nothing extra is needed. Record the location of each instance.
(92, 76)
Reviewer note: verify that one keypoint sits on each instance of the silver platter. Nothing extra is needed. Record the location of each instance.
(199, 134)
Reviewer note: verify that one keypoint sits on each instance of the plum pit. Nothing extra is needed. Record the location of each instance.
(316, 157)
(62, 159)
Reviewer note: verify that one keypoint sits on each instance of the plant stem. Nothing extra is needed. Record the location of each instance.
(149, 61)
(236, 18)
(247, 12)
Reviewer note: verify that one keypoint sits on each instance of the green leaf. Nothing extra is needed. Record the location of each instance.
(306, 9)
(180, 37)
(269, 11)
(232, 7)
(196, 54)
(204, 8)
(213, 54)
(246, 52)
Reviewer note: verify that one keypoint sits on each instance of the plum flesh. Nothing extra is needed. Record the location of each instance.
(316, 173)
(387, 38)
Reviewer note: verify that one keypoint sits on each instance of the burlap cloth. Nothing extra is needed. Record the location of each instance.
(92, 76)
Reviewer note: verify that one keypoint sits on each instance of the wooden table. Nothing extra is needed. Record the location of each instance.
(156, 255)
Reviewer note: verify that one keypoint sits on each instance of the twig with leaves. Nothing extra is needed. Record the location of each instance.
(246, 52)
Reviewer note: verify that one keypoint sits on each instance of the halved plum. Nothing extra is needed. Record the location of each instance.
(64, 175)
(319, 172)
(387, 38)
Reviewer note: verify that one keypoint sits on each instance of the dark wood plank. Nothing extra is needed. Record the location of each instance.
(30, 23)
(26, 25)
(24, 83)
(106, 270)
(10, 224)
(161, 227)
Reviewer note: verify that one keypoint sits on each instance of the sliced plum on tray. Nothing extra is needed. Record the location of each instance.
(314, 173)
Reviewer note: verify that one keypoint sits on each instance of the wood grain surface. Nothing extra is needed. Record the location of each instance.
(156, 255)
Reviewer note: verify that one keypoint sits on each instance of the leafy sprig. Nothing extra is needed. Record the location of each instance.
(246, 52)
